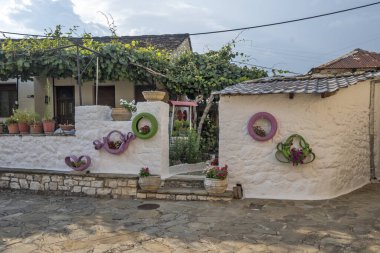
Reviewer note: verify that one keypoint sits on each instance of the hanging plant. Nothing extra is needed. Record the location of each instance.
(288, 153)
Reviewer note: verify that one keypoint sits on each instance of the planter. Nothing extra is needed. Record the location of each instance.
(49, 126)
(78, 163)
(154, 95)
(13, 128)
(150, 183)
(36, 129)
(215, 186)
(23, 128)
(66, 127)
(121, 114)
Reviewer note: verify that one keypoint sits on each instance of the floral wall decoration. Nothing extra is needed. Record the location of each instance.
(287, 152)
(256, 129)
(115, 145)
(144, 131)
(78, 163)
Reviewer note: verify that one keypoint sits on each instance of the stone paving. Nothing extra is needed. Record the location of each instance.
(36, 223)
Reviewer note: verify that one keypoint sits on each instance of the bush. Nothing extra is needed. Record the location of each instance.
(210, 136)
(185, 149)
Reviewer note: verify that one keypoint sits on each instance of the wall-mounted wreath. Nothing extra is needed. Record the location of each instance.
(257, 131)
(289, 153)
(144, 131)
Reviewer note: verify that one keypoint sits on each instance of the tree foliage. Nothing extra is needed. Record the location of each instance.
(189, 74)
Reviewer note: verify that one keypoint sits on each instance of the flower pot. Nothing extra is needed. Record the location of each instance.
(121, 114)
(36, 129)
(13, 128)
(215, 186)
(23, 128)
(150, 183)
(49, 126)
(154, 95)
(66, 127)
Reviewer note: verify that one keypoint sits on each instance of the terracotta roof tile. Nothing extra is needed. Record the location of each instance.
(356, 59)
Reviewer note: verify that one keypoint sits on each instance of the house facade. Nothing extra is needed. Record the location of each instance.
(335, 108)
(58, 97)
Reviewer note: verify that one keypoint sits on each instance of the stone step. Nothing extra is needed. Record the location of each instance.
(184, 194)
(184, 181)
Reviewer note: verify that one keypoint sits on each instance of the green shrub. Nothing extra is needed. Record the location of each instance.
(210, 136)
(185, 149)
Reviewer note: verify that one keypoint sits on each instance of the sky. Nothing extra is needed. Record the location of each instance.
(296, 47)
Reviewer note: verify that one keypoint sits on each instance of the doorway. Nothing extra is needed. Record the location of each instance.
(65, 98)
(106, 95)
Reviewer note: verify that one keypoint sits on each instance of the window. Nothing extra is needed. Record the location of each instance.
(8, 98)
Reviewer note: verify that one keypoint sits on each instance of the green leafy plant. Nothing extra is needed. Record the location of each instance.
(34, 118)
(216, 172)
(185, 149)
(210, 136)
(10, 120)
(144, 172)
(22, 116)
(131, 106)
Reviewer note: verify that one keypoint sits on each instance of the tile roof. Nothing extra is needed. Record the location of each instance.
(298, 84)
(356, 59)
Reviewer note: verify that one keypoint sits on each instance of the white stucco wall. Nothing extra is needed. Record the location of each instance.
(335, 127)
(92, 123)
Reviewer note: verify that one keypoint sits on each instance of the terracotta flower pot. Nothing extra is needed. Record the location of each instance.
(121, 114)
(150, 183)
(49, 126)
(13, 128)
(36, 129)
(215, 186)
(23, 128)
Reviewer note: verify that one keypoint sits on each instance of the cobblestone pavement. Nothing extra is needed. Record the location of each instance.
(36, 223)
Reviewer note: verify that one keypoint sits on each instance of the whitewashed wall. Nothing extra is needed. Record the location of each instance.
(335, 127)
(92, 122)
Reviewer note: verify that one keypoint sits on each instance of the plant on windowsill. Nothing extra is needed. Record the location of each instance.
(23, 119)
(12, 125)
(35, 125)
(48, 123)
(216, 178)
(149, 182)
(66, 126)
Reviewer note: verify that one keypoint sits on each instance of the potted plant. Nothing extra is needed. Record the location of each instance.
(154, 95)
(48, 123)
(35, 125)
(12, 125)
(149, 182)
(66, 126)
(216, 178)
(125, 111)
(23, 120)
(78, 163)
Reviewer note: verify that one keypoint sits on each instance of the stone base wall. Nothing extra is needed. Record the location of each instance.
(70, 183)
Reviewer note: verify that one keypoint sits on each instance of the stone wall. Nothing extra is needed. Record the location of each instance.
(66, 183)
(336, 128)
(92, 123)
